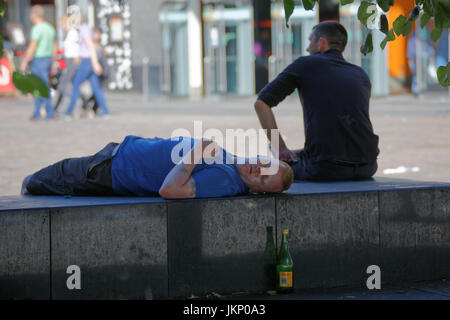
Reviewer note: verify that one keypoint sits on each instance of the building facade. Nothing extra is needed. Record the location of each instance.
(209, 47)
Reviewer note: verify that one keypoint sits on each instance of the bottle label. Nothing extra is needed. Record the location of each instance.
(285, 279)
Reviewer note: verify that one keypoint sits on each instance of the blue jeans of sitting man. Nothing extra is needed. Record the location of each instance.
(85, 72)
(40, 67)
(329, 170)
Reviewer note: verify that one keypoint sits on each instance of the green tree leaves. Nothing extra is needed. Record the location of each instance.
(289, 6)
(309, 4)
(2, 8)
(385, 5)
(390, 36)
(367, 13)
(367, 45)
(402, 26)
(384, 27)
(443, 74)
(425, 19)
(442, 13)
(436, 34)
(29, 83)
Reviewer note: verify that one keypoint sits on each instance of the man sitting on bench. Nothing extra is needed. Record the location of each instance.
(166, 167)
(339, 140)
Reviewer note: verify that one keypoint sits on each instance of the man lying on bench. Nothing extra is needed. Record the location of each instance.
(172, 168)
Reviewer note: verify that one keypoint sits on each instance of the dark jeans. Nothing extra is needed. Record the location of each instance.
(86, 176)
(305, 169)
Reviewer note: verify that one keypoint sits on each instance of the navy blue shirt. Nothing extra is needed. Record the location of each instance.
(141, 165)
(335, 98)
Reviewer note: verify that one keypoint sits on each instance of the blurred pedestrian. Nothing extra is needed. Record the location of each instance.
(426, 57)
(89, 69)
(42, 53)
(71, 57)
(91, 103)
(442, 50)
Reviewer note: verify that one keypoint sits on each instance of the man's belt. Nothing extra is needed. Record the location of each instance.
(347, 163)
(113, 154)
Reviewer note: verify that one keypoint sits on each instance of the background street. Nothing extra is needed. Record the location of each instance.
(414, 132)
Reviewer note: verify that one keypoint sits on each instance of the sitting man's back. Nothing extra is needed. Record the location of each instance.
(339, 139)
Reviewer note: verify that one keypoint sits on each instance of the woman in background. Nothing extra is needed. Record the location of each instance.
(91, 103)
(89, 69)
(72, 58)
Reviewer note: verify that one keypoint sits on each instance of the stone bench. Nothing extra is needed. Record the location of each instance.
(144, 248)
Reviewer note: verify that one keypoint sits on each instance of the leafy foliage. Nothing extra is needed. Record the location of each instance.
(366, 11)
(402, 26)
(384, 25)
(436, 34)
(443, 74)
(390, 36)
(289, 6)
(385, 5)
(29, 83)
(2, 8)
(309, 4)
(367, 45)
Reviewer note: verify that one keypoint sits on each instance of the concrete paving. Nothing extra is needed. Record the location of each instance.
(414, 132)
(430, 290)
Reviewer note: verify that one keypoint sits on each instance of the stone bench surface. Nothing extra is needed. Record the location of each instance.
(11, 203)
(141, 248)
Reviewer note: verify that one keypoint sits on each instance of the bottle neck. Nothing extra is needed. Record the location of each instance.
(284, 244)
(284, 240)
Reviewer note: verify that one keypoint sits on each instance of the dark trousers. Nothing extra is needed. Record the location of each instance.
(326, 170)
(86, 176)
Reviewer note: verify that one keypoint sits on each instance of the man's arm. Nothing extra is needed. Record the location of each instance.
(179, 183)
(96, 66)
(29, 54)
(268, 122)
(54, 68)
(271, 95)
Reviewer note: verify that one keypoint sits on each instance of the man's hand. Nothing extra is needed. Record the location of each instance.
(23, 66)
(288, 156)
(97, 67)
(29, 54)
(54, 68)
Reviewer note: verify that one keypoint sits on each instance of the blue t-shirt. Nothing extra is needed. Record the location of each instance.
(141, 165)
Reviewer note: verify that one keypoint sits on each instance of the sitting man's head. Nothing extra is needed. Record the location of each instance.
(327, 35)
(262, 176)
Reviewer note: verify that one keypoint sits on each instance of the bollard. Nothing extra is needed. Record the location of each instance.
(145, 72)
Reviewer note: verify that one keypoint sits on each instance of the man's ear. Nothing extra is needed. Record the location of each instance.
(323, 44)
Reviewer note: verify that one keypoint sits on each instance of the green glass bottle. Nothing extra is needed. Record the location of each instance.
(270, 261)
(285, 266)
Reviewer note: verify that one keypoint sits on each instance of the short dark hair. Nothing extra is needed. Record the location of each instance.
(334, 32)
